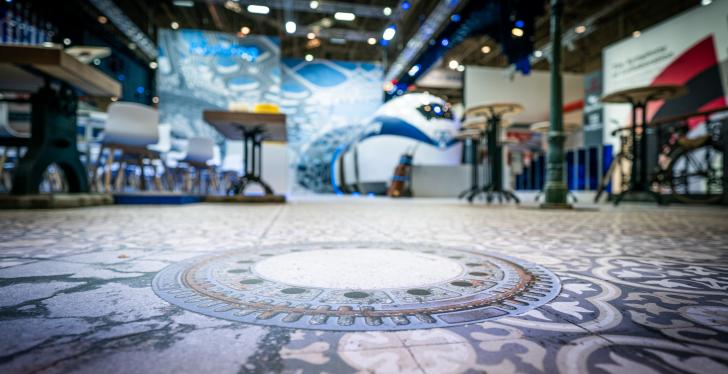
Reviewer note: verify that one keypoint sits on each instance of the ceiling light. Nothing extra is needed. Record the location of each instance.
(184, 3)
(153, 65)
(389, 33)
(485, 49)
(372, 41)
(580, 29)
(258, 9)
(344, 16)
(453, 64)
(309, 57)
(444, 42)
(67, 41)
(97, 61)
(537, 53)
(705, 2)
(314, 4)
(517, 32)
(245, 30)
(387, 11)
(290, 27)
(155, 100)
(174, 25)
(114, 98)
(103, 20)
(636, 34)
(311, 36)
(413, 70)
(461, 68)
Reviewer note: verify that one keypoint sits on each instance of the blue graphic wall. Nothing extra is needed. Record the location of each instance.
(324, 101)
(201, 70)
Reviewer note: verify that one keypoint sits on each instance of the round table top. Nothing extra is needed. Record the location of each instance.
(481, 123)
(544, 126)
(468, 134)
(488, 110)
(644, 94)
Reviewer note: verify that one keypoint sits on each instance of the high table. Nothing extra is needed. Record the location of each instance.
(638, 98)
(494, 113)
(251, 128)
(52, 75)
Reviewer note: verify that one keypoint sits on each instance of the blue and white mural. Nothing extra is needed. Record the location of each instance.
(324, 99)
(201, 70)
(362, 157)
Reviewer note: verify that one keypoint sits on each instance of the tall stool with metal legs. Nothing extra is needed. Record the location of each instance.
(475, 137)
(494, 114)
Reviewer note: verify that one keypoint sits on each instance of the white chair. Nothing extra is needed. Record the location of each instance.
(199, 153)
(14, 134)
(131, 128)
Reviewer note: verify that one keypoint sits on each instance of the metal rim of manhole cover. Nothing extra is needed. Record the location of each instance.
(357, 286)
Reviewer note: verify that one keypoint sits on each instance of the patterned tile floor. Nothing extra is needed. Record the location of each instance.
(644, 290)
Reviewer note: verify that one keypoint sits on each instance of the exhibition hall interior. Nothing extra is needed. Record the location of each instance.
(363, 186)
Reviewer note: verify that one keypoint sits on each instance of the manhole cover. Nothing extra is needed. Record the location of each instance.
(356, 286)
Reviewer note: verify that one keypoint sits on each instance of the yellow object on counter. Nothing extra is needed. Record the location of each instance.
(266, 108)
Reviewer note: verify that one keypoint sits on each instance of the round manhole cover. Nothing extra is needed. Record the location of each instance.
(356, 286)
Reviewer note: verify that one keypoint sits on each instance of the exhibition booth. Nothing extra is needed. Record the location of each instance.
(228, 114)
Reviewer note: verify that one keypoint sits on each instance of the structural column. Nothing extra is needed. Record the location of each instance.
(555, 189)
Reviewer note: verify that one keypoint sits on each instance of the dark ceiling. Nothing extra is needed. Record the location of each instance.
(618, 19)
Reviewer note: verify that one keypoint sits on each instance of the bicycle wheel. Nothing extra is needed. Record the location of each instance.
(696, 175)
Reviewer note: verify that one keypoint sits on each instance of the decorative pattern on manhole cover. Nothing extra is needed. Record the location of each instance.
(357, 286)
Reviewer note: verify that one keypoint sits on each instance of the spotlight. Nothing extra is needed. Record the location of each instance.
(245, 30)
(311, 36)
(406, 5)
(314, 4)
(153, 65)
(372, 41)
(66, 41)
(460, 68)
(389, 33)
(706, 2)
(155, 100)
(387, 11)
(344, 16)
(114, 98)
(517, 32)
(174, 25)
(290, 27)
(485, 49)
(580, 29)
(453, 64)
(258, 9)
(445, 42)
(309, 57)
(636, 34)
(413, 70)
(537, 53)
(132, 46)
(102, 20)
(520, 24)
(97, 61)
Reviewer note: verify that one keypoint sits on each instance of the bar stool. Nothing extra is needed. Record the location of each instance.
(130, 129)
(494, 113)
(543, 128)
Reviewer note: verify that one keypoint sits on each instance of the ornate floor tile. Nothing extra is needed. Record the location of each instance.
(634, 289)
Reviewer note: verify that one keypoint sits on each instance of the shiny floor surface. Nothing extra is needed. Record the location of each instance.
(642, 289)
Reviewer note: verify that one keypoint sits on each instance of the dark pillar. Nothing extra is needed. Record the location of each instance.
(555, 190)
